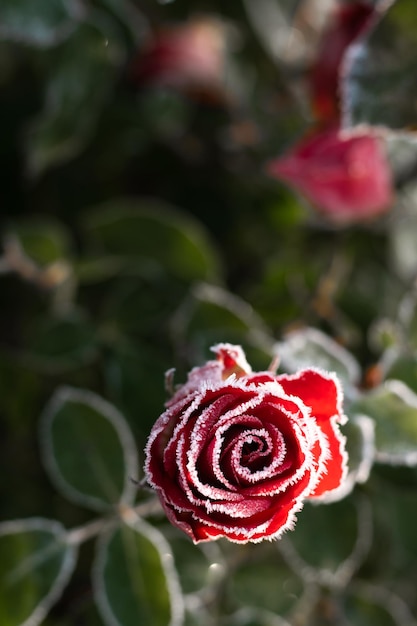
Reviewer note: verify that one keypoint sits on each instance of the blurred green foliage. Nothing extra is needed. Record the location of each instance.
(139, 227)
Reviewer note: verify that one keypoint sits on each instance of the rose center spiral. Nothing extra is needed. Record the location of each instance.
(254, 452)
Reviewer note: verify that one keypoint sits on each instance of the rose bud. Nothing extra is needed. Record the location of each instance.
(186, 57)
(346, 23)
(236, 453)
(345, 175)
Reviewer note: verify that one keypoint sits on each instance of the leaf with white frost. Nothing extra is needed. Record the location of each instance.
(35, 566)
(88, 449)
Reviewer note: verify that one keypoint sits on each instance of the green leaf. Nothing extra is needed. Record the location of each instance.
(43, 23)
(17, 407)
(35, 566)
(142, 303)
(394, 505)
(211, 315)
(403, 367)
(329, 542)
(129, 16)
(134, 578)
(43, 240)
(393, 406)
(59, 344)
(360, 446)
(165, 114)
(81, 76)
(310, 347)
(402, 154)
(192, 563)
(380, 86)
(196, 617)
(125, 365)
(265, 581)
(407, 319)
(250, 616)
(157, 234)
(88, 449)
(366, 604)
(403, 233)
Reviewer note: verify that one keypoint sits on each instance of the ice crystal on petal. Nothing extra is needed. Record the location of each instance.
(237, 453)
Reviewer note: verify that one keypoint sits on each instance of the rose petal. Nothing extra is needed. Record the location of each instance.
(236, 458)
(318, 390)
(344, 175)
(336, 462)
(271, 523)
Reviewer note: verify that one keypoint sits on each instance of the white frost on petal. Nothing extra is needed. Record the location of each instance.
(335, 494)
(245, 535)
(342, 418)
(170, 415)
(194, 430)
(263, 436)
(234, 352)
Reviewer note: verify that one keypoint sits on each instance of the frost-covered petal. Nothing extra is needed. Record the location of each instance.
(336, 462)
(320, 391)
(236, 453)
(344, 174)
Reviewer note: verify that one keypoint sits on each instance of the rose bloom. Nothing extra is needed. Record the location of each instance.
(189, 55)
(345, 175)
(346, 23)
(236, 453)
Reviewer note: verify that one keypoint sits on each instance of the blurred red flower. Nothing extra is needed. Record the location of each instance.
(236, 453)
(344, 175)
(346, 23)
(185, 56)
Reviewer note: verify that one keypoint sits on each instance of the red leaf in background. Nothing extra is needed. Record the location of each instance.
(346, 24)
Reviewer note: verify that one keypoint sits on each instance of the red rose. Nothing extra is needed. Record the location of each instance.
(190, 55)
(345, 175)
(236, 453)
(346, 24)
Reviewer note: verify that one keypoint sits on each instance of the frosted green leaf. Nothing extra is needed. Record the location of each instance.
(251, 616)
(42, 23)
(310, 347)
(88, 449)
(193, 565)
(407, 318)
(211, 315)
(360, 446)
(379, 86)
(330, 542)
(393, 407)
(373, 604)
(134, 578)
(81, 76)
(35, 566)
(272, 573)
(403, 367)
(403, 234)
